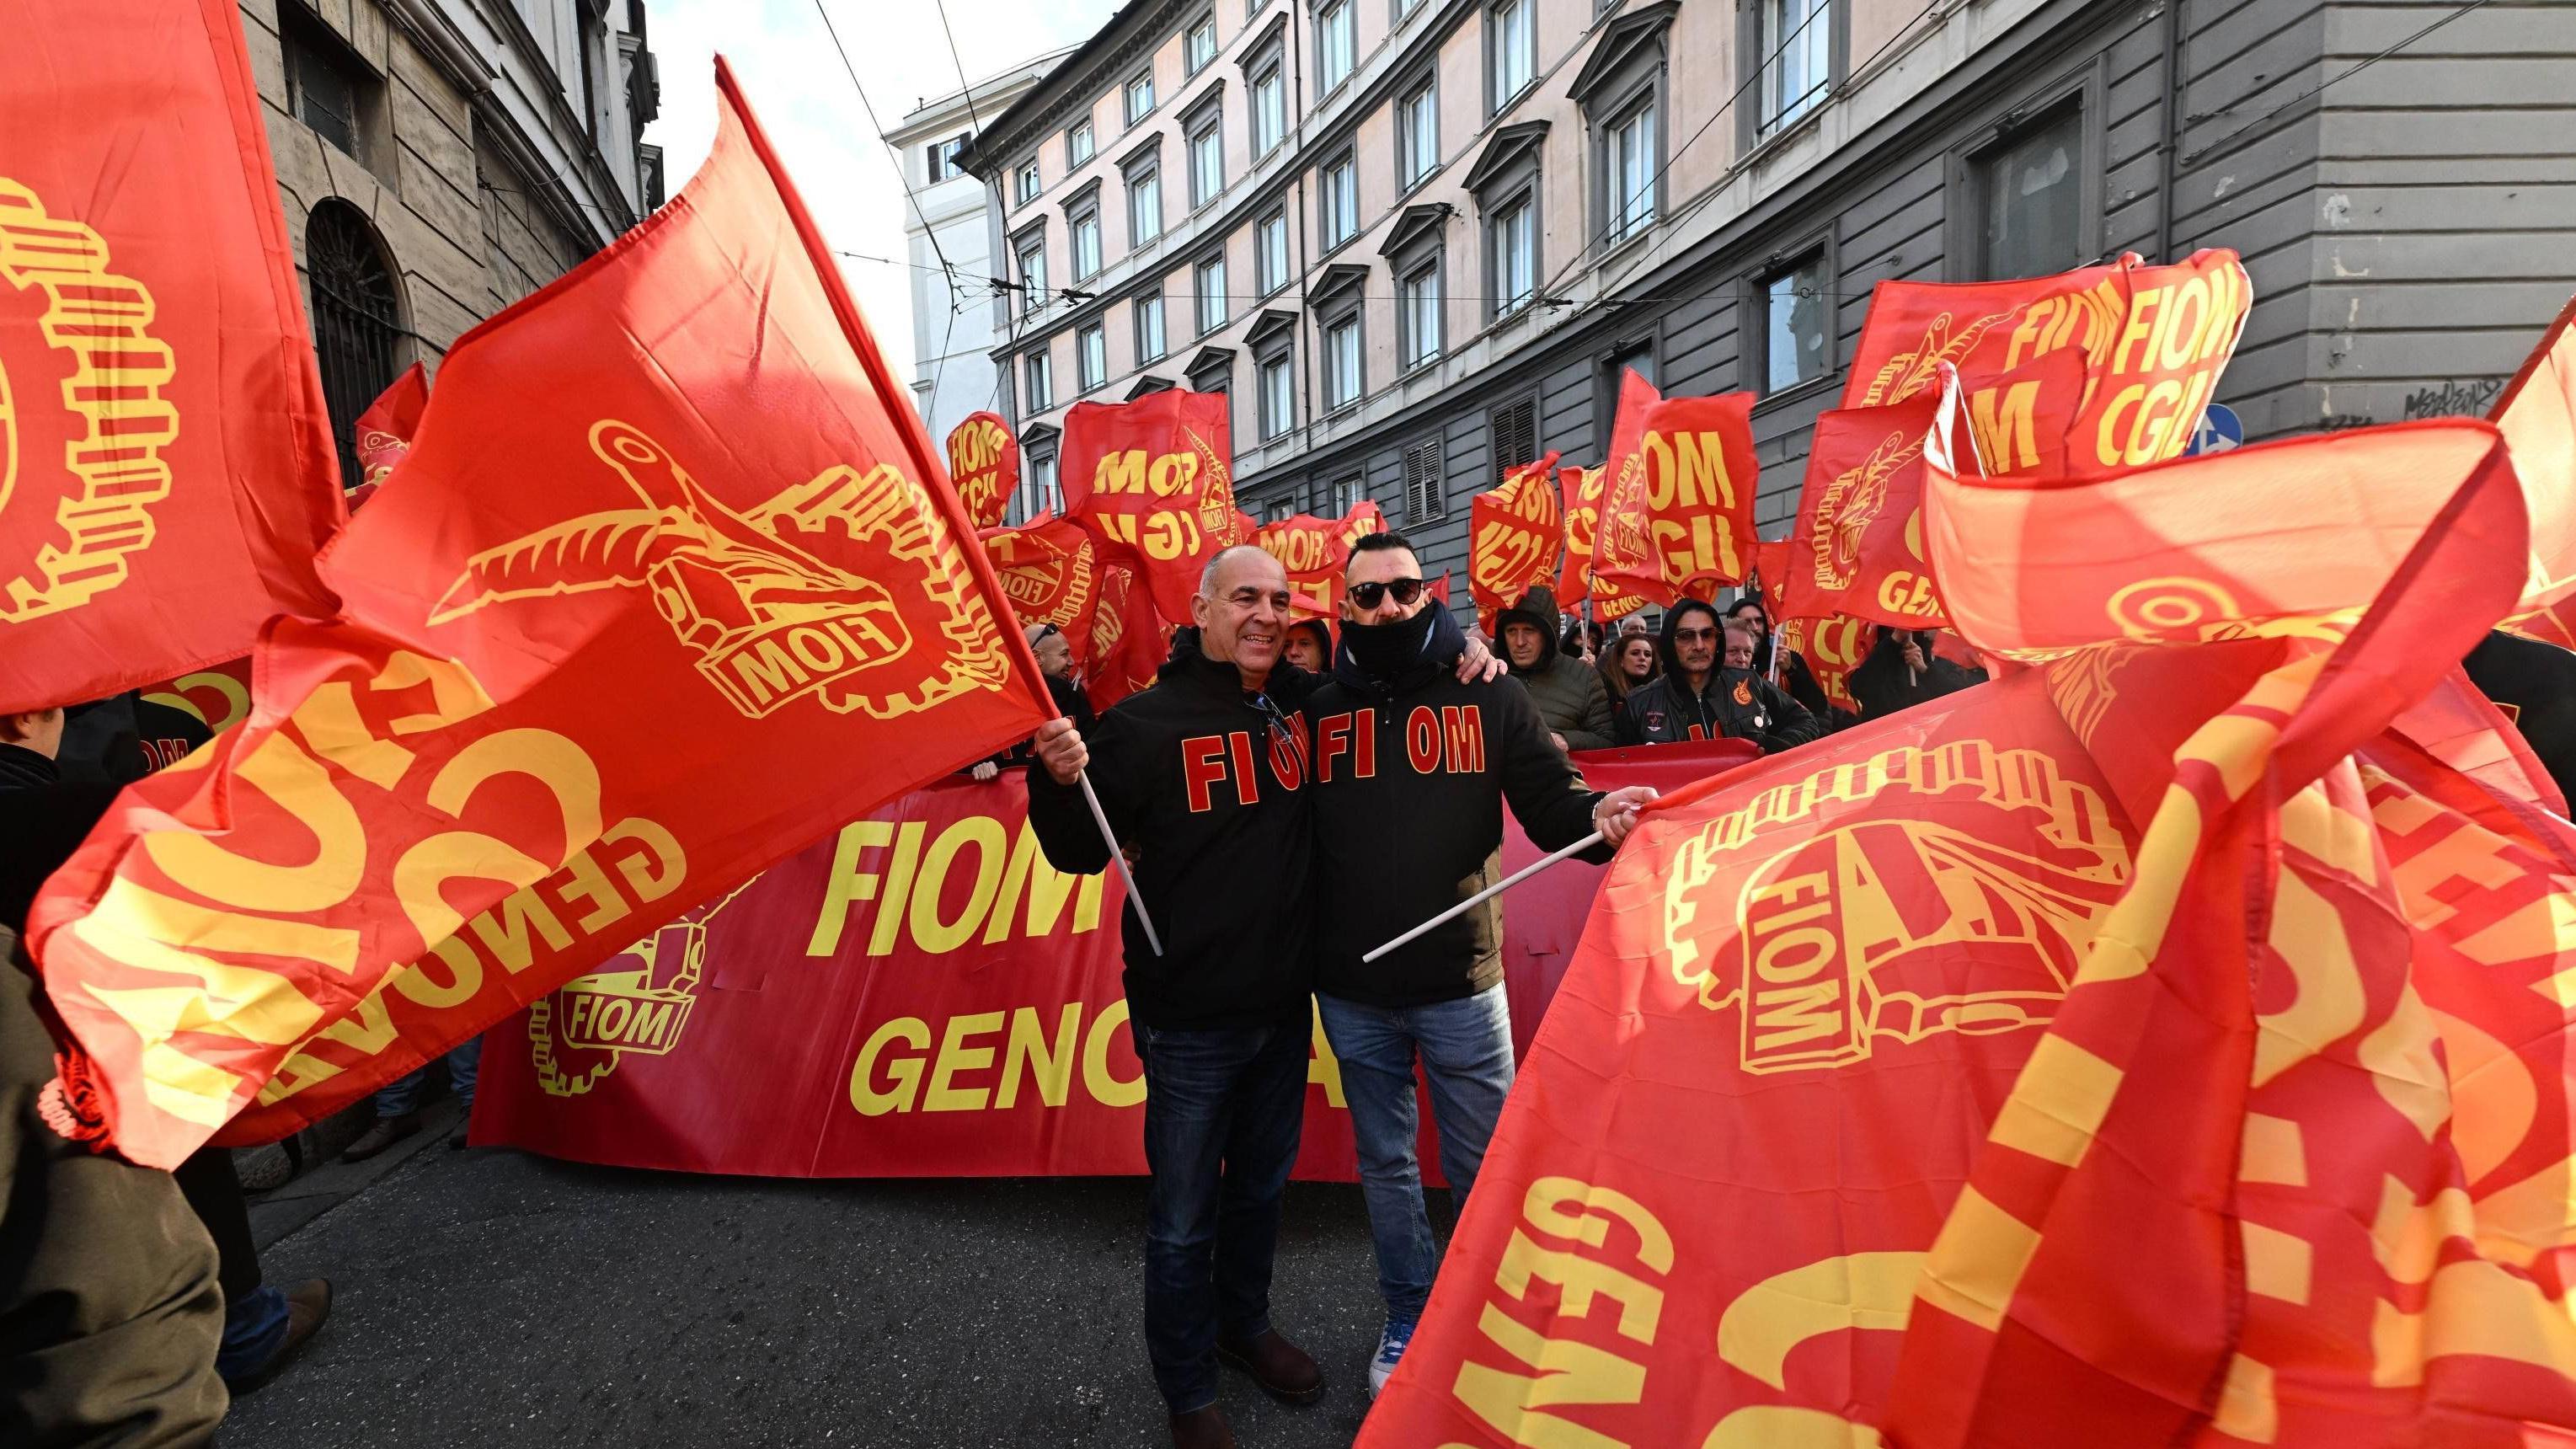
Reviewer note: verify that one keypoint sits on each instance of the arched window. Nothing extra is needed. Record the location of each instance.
(357, 320)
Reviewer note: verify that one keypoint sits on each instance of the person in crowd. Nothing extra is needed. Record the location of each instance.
(1223, 846)
(1571, 700)
(1055, 665)
(1793, 674)
(1708, 689)
(1412, 768)
(1901, 671)
(1582, 639)
(1310, 645)
(398, 1106)
(2535, 685)
(1630, 663)
(1634, 627)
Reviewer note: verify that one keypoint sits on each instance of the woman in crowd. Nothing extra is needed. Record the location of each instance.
(1630, 663)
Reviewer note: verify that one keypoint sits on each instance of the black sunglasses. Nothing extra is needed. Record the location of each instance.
(1278, 722)
(1369, 595)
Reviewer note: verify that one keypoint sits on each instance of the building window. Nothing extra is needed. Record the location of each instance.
(1793, 324)
(1041, 381)
(1513, 430)
(1144, 204)
(357, 321)
(1077, 144)
(1086, 240)
(943, 159)
(1140, 97)
(1341, 201)
(1029, 184)
(1149, 328)
(1418, 316)
(1091, 356)
(1342, 370)
(1278, 398)
(1336, 48)
(1515, 255)
(1211, 294)
(1424, 496)
(1632, 173)
(1198, 47)
(1269, 110)
(1207, 159)
(1417, 130)
(1347, 492)
(326, 87)
(1270, 253)
(1795, 49)
(1033, 282)
(2030, 193)
(1511, 49)
(1045, 495)
(1637, 357)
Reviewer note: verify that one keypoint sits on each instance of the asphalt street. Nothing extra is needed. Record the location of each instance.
(492, 1297)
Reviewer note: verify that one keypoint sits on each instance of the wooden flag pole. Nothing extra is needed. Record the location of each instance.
(1497, 888)
(1118, 858)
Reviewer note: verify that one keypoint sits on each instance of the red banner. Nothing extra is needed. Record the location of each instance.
(2537, 414)
(1833, 648)
(1315, 551)
(1513, 535)
(442, 804)
(1051, 574)
(1153, 479)
(984, 464)
(2142, 350)
(922, 996)
(386, 428)
(166, 468)
(1858, 549)
(1676, 516)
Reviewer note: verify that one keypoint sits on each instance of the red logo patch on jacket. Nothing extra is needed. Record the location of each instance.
(1744, 691)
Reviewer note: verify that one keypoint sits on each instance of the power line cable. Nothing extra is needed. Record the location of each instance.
(879, 127)
(2357, 68)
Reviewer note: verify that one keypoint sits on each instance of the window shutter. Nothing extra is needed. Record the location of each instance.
(1423, 500)
(1515, 433)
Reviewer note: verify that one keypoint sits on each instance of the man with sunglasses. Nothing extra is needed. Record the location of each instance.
(1709, 689)
(1203, 777)
(1412, 769)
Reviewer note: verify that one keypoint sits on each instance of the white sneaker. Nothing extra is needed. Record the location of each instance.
(1390, 1349)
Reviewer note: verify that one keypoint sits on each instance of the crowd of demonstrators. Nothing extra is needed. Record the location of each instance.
(1793, 674)
(1901, 671)
(1708, 689)
(131, 1300)
(1630, 662)
(1571, 699)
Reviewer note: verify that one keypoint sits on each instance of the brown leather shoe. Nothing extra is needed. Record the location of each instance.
(1202, 1429)
(1284, 1371)
(383, 1134)
(308, 1305)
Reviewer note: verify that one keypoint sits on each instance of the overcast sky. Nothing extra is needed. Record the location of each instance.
(794, 79)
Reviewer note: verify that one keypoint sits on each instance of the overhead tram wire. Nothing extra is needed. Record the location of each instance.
(966, 91)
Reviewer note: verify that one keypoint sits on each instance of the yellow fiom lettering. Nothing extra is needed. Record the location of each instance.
(903, 1074)
(1173, 473)
(1793, 955)
(1323, 1069)
(2006, 430)
(1784, 1016)
(929, 932)
(2140, 329)
(298, 784)
(1120, 473)
(464, 976)
(954, 1057)
(1809, 887)
(1105, 1088)
(898, 889)
(544, 756)
(2190, 300)
(503, 929)
(1029, 875)
(1579, 1280)
(1051, 1067)
(847, 883)
(1549, 1197)
(1568, 1373)
(767, 670)
(658, 846)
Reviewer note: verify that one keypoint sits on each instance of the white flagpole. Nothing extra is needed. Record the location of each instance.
(1118, 858)
(1497, 888)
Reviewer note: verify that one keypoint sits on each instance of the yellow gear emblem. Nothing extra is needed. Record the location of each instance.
(640, 1005)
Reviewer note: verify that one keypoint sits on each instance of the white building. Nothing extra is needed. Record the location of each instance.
(950, 236)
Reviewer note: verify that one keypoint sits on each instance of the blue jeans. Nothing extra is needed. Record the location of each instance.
(1466, 1050)
(464, 1064)
(1223, 1113)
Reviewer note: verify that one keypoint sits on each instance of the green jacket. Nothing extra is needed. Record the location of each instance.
(1572, 701)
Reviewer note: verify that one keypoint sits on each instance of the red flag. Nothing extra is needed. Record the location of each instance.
(386, 428)
(1315, 551)
(1677, 514)
(1129, 640)
(1514, 532)
(1154, 479)
(1050, 574)
(2144, 347)
(166, 467)
(984, 463)
(603, 577)
(2537, 413)
(1859, 540)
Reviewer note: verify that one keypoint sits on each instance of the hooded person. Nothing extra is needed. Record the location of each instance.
(1793, 674)
(1413, 769)
(1709, 690)
(1901, 671)
(1572, 701)
(1310, 645)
